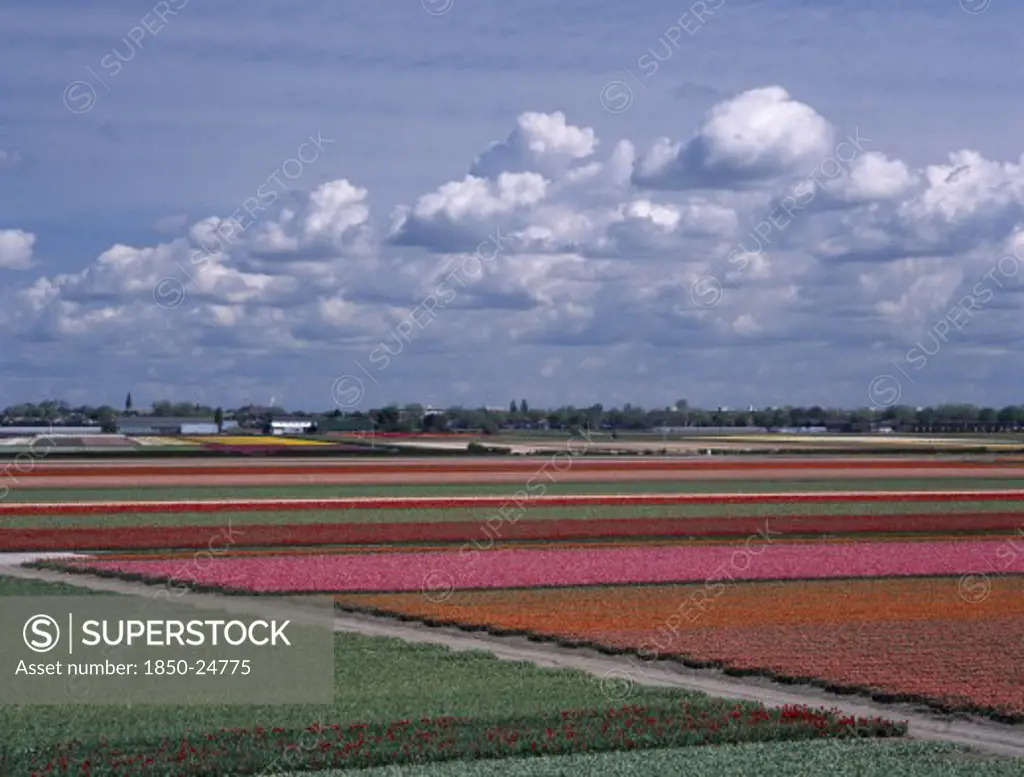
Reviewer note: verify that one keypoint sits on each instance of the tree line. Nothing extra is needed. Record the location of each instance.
(949, 418)
(946, 418)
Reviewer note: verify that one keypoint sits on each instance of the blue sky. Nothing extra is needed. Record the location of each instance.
(625, 270)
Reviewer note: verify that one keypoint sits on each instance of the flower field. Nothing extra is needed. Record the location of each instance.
(1003, 467)
(397, 704)
(555, 567)
(455, 502)
(150, 441)
(562, 530)
(903, 594)
(252, 439)
(908, 638)
(448, 738)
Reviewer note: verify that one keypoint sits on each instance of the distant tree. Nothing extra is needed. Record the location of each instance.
(107, 421)
(860, 420)
(128, 403)
(1010, 416)
(523, 407)
(412, 417)
(512, 407)
(388, 419)
(901, 416)
(683, 409)
(988, 418)
(218, 418)
(925, 419)
(162, 408)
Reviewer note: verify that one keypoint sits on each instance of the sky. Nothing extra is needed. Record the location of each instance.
(464, 202)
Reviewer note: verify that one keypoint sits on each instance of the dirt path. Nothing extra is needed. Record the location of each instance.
(617, 675)
(454, 502)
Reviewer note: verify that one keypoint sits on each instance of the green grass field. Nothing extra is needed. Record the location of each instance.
(792, 759)
(482, 514)
(322, 491)
(15, 586)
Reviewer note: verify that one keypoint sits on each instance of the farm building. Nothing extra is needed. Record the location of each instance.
(150, 425)
(290, 426)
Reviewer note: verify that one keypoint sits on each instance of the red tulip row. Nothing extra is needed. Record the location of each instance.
(439, 503)
(244, 751)
(267, 535)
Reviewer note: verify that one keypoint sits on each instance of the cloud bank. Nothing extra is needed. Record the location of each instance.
(767, 256)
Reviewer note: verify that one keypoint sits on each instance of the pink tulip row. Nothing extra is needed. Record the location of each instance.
(764, 557)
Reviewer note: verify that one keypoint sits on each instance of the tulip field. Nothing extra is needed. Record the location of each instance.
(401, 705)
(896, 580)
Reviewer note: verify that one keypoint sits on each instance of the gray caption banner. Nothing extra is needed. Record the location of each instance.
(128, 650)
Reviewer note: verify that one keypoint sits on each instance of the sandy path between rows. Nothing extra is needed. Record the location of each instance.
(41, 466)
(546, 475)
(481, 500)
(615, 674)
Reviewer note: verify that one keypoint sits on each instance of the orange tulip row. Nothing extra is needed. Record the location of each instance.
(908, 637)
